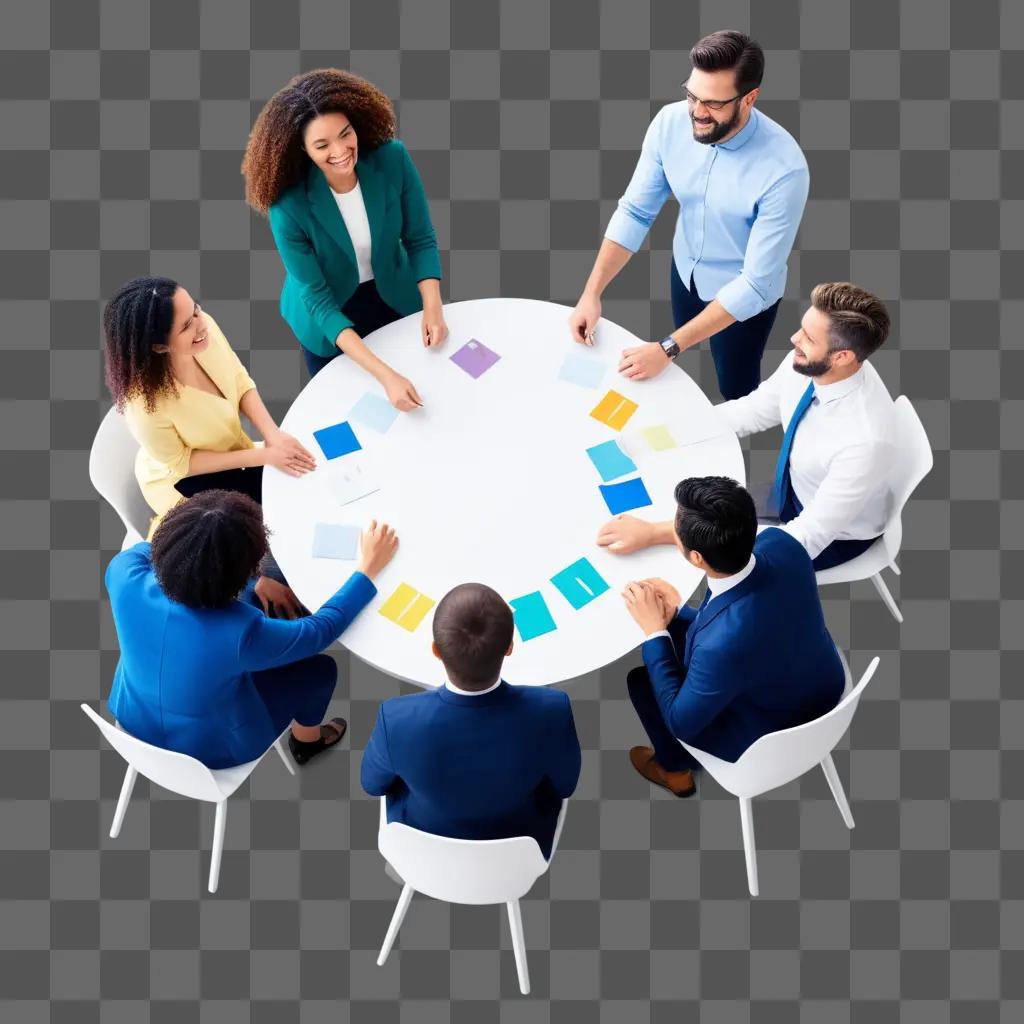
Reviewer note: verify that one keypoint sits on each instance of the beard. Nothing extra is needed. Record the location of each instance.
(719, 131)
(814, 369)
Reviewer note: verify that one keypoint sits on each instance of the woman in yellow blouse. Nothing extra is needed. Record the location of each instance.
(181, 387)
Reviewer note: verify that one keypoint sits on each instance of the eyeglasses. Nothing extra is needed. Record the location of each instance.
(710, 104)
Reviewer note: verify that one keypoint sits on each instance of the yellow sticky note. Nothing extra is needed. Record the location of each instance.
(659, 438)
(406, 607)
(614, 409)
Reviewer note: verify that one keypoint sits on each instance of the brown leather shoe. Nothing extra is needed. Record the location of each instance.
(677, 783)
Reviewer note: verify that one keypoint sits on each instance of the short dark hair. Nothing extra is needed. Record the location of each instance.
(859, 320)
(473, 629)
(716, 516)
(730, 49)
(138, 316)
(208, 547)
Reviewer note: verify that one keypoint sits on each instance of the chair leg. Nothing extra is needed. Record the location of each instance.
(749, 849)
(396, 922)
(883, 592)
(515, 924)
(895, 568)
(122, 801)
(284, 757)
(219, 823)
(839, 794)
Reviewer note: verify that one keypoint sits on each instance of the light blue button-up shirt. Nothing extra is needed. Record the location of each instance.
(740, 204)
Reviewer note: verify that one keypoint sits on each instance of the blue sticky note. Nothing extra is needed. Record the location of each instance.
(337, 440)
(374, 412)
(580, 583)
(332, 541)
(587, 371)
(628, 494)
(610, 460)
(531, 615)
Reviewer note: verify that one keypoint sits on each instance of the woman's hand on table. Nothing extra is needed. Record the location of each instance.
(432, 326)
(647, 607)
(377, 546)
(625, 534)
(401, 393)
(278, 600)
(285, 453)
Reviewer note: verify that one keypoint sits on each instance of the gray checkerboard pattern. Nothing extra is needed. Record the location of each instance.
(121, 130)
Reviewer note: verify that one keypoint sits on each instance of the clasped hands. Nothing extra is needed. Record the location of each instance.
(653, 603)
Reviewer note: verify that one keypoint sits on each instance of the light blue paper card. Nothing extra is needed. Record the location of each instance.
(531, 615)
(580, 583)
(374, 412)
(610, 460)
(333, 541)
(587, 371)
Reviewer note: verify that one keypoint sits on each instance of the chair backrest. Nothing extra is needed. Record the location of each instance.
(112, 472)
(779, 757)
(462, 870)
(912, 464)
(177, 772)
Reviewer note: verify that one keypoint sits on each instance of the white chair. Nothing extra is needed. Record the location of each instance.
(180, 774)
(912, 464)
(464, 871)
(780, 757)
(112, 472)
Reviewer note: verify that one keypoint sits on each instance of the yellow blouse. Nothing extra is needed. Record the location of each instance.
(189, 420)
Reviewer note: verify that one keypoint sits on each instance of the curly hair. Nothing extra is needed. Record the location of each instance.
(274, 156)
(859, 320)
(139, 316)
(208, 547)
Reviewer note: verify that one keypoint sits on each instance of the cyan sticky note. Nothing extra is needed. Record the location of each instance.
(580, 583)
(610, 460)
(531, 615)
(587, 371)
(628, 494)
(333, 541)
(374, 412)
(337, 440)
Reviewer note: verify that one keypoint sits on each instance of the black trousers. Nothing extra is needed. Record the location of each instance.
(245, 481)
(367, 311)
(738, 349)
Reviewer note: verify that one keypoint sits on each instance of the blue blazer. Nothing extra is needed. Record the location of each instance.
(480, 766)
(759, 659)
(184, 681)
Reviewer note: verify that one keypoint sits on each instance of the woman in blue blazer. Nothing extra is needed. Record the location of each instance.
(203, 671)
(350, 219)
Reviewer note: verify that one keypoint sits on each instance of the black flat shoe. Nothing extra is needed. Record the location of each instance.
(330, 733)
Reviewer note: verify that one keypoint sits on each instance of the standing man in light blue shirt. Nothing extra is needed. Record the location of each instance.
(741, 181)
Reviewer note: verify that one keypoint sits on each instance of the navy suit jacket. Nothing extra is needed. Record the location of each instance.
(184, 681)
(475, 766)
(760, 658)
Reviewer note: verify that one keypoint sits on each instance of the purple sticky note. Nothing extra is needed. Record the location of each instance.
(475, 358)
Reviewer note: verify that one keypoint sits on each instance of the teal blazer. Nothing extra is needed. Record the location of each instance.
(320, 262)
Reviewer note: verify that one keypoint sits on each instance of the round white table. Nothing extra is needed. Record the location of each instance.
(490, 482)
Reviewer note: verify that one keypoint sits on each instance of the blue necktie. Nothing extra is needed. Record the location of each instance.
(783, 485)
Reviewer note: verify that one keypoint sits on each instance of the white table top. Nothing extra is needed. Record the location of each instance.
(490, 483)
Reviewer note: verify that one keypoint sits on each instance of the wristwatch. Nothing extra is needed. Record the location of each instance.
(669, 346)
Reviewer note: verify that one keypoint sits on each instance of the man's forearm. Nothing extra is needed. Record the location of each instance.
(611, 258)
(712, 319)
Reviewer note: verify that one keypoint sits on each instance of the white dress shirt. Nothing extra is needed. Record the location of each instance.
(842, 451)
(449, 685)
(353, 213)
(717, 586)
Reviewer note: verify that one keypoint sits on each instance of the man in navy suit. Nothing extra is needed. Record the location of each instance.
(475, 758)
(755, 658)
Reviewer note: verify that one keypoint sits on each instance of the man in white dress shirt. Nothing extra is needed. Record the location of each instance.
(831, 488)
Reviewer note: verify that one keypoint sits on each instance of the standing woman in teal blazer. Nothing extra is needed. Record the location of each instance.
(350, 218)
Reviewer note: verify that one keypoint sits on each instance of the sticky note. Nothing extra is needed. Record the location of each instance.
(337, 440)
(614, 410)
(406, 607)
(333, 541)
(475, 358)
(659, 438)
(610, 460)
(531, 615)
(586, 371)
(626, 495)
(374, 412)
(580, 583)
(351, 481)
